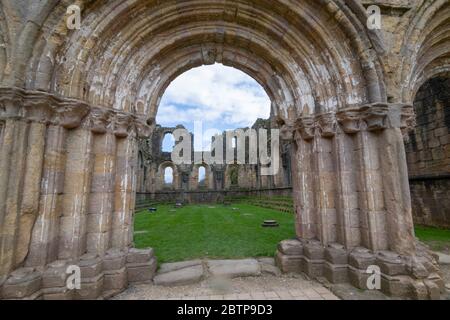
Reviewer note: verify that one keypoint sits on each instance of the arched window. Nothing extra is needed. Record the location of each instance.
(202, 176)
(168, 176)
(168, 143)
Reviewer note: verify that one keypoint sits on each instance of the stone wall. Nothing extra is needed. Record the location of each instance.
(431, 201)
(428, 154)
(211, 196)
(152, 162)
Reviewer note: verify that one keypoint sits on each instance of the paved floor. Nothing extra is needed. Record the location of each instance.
(286, 287)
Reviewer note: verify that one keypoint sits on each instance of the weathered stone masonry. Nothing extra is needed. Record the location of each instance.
(244, 178)
(68, 198)
(428, 154)
(73, 103)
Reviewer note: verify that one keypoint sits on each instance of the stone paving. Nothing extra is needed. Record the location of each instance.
(265, 287)
(189, 272)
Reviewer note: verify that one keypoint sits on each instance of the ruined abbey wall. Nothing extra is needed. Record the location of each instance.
(75, 102)
(428, 154)
(187, 187)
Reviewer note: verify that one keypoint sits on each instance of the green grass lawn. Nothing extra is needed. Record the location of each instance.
(217, 231)
(211, 231)
(437, 239)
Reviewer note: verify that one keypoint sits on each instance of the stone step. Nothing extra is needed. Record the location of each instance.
(169, 267)
(180, 277)
(234, 268)
(190, 272)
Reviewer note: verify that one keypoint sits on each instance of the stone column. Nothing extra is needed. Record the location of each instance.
(325, 178)
(349, 233)
(302, 192)
(57, 168)
(31, 188)
(101, 200)
(126, 151)
(400, 226)
(44, 236)
(359, 159)
(12, 167)
(77, 185)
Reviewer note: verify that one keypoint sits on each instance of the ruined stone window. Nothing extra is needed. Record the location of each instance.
(168, 142)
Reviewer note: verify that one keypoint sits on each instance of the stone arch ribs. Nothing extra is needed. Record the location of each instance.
(305, 51)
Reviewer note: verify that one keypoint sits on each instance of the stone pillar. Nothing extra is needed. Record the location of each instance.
(44, 236)
(373, 214)
(324, 172)
(12, 166)
(347, 191)
(126, 150)
(101, 200)
(400, 231)
(362, 210)
(77, 185)
(57, 169)
(302, 192)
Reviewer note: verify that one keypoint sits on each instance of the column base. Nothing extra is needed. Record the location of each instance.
(101, 277)
(413, 277)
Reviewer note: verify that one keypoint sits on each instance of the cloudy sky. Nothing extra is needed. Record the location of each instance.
(221, 97)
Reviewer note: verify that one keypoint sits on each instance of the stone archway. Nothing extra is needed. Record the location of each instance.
(74, 102)
(176, 183)
(428, 153)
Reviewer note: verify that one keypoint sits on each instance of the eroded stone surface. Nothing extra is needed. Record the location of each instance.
(180, 277)
(169, 267)
(70, 120)
(234, 268)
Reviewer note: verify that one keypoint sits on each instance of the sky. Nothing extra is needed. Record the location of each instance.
(222, 98)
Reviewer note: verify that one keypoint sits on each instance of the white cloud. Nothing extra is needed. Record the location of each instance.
(222, 97)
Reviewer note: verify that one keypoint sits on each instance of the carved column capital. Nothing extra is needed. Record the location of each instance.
(349, 120)
(287, 129)
(99, 120)
(375, 116)
(39, 107)
(326, 123)
(144, 128)
(11, 101)
(122, 123)
(306, 127)
(70, 113)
